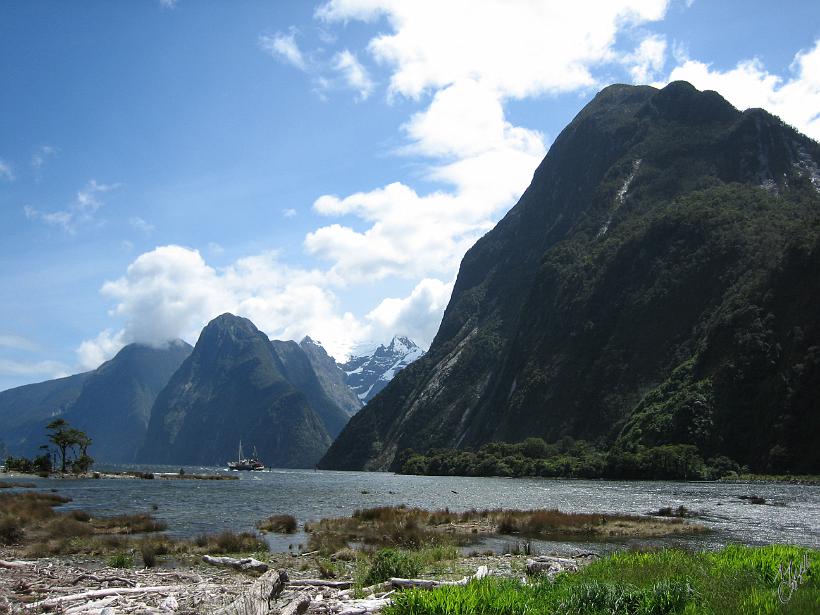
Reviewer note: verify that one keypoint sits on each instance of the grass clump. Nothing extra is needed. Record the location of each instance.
(736, 580)
(129, 524)
(283, 524)
(121, 560)
(389, 563)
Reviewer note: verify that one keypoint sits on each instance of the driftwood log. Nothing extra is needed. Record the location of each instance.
(260, 598)
(99, 593)
(245, 564)
(431, 584)
(549, 565)
(13, 565)
(320, 583)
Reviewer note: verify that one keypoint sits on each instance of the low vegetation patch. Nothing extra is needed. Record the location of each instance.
(735, 580)
(415, 528)
(284, 524)
(10, 484)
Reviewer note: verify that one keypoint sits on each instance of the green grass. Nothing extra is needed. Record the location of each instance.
(735, 580)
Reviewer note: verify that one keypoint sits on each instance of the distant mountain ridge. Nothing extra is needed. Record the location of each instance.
(655, 284)
(111, 404)
(331, 377)
(369, 373)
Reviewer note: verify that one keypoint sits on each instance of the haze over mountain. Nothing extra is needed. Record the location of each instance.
(112, 403)
(369, 373)
(236, 386)
(656, 283)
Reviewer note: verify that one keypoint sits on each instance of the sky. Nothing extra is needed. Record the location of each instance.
(318, 167)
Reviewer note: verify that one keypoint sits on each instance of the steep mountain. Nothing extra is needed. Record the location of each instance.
(111, 403)
(656, 283)
(25, 410)
(114, 406)
(234, 387)
(367, 374)
(331, 377)
(299, 371)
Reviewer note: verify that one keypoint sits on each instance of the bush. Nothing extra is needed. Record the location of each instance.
(11, 530)
(121, 560)
(149, 554)
(392, 563)
(284, 524)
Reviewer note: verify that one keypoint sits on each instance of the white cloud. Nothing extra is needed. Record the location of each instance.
(647, 60)
(417, 315)
(518, 48)
(41, 155)
(141, 225)
(17, 342)
(354, 74)
(168, 4)
(92, 353)
(80, 211)
(283, 47)
(45, 369)
(6, 172)
(795, 99)
(289, 213)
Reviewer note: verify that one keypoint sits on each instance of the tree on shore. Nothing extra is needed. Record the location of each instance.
(65, 437)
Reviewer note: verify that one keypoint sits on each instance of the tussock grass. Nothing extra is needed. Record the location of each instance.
(414, 528)
(283, 524)
(735, 580)
(128, 524)
(10, 484)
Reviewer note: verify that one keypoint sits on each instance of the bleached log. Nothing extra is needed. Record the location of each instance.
(482, 572)
(320, 583)
(246, 563)
(550, 565)
(96, 579)
(100, 593)
(14, 565)
(91, 607)
(365, 607)
(258, 600)
(297, 606)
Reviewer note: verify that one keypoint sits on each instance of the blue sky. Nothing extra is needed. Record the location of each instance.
(318, 167)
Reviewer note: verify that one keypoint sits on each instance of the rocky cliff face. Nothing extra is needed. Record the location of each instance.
(111, 404)
(369, 373)
(332, 378)
(656, 283)
(236, 386)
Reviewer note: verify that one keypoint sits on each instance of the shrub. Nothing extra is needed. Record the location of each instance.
(11, 530)
(121, 560)
(149, 554)
(389, 563)
(284, 524)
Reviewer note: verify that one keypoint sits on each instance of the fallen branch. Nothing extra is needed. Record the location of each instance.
(247, 563)
(97, 579)
(431, 584)
(7, 564)
(321, 583)
(101, 593)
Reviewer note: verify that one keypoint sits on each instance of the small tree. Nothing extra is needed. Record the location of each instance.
(64, 437)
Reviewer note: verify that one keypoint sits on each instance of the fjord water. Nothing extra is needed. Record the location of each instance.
(791, 513)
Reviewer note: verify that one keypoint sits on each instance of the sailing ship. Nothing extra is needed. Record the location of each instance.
(242, 463)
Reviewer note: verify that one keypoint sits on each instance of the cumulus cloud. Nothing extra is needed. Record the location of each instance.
(92, 353)
(647, 60)
(81, 211)
(418, 315)
(283, 47)
(518, 48)
(354, 74)
(796, 99)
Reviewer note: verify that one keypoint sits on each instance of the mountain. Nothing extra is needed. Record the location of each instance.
(332, 378)
(111, 404)
(238, 385)
(656, 283)
(369, 373)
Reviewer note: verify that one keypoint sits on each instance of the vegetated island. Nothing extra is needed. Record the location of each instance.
(395, 560)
